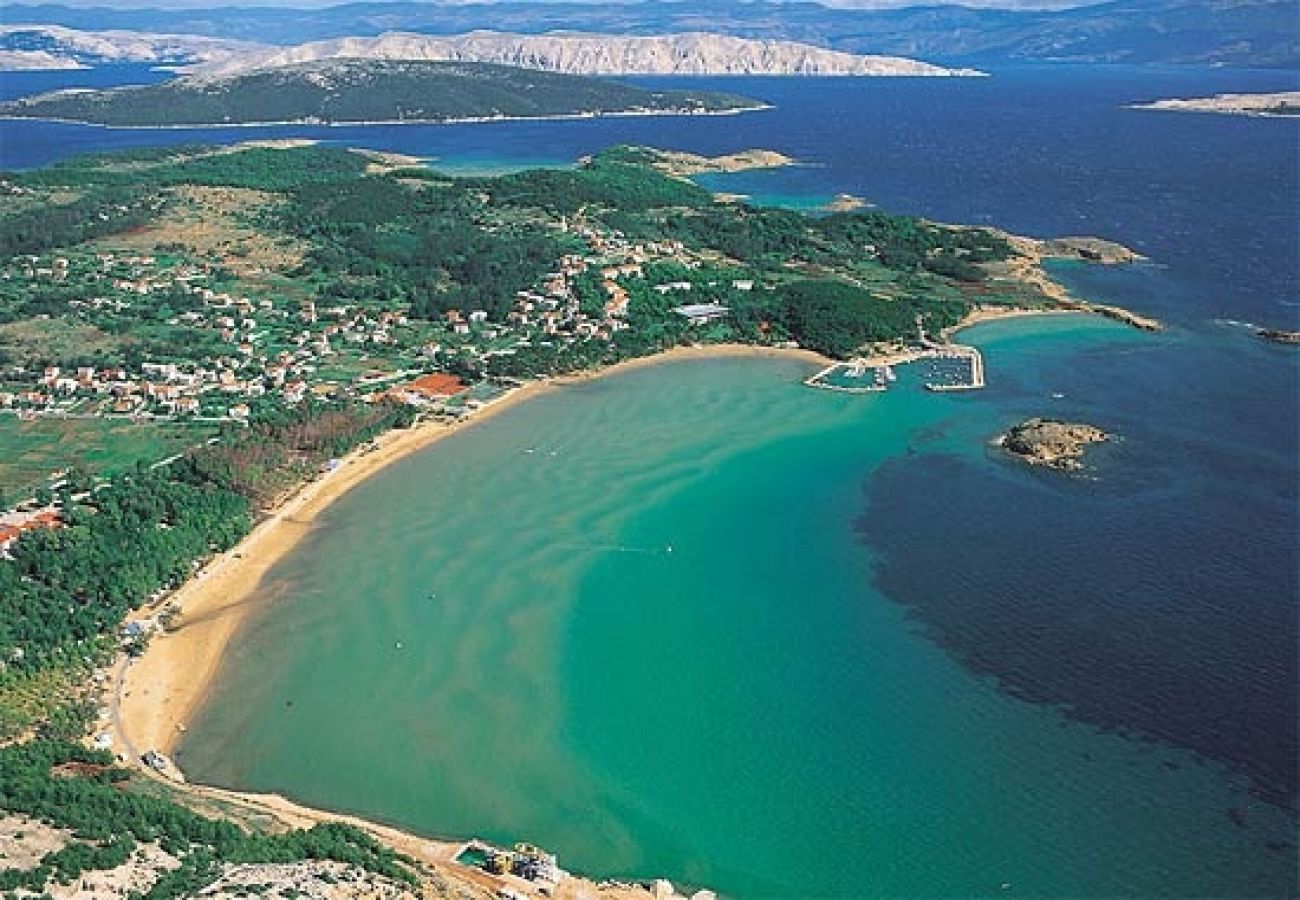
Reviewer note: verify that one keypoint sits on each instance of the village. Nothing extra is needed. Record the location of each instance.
(240, 351)
(229, 354)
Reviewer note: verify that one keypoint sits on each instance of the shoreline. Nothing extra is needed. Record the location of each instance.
(983, 315)
(360, 123)
(149, 698)
(153, 696)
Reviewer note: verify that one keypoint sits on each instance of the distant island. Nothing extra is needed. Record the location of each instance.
(573, 53)
(1052, 443)
(1280, 103)
(366, 91)
(568, 52)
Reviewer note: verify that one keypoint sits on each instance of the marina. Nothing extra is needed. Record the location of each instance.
(946, 367)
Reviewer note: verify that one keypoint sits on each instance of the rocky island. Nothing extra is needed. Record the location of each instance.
(1280, 103)
(1052, 443)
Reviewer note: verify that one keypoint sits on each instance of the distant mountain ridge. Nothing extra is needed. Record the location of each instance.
(1228, 32)
(57, 47)
(592, 54)
(366, 91)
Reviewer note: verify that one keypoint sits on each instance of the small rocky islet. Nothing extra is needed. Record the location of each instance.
(1052, 443)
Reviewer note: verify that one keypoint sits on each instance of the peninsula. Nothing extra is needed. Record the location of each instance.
(366, 91)
(307, 314)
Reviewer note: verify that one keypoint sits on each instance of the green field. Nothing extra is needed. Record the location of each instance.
(30, 451)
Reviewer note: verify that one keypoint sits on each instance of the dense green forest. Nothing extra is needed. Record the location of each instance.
(430, 250)
(836, 318)
(352, 90)
(109, 821)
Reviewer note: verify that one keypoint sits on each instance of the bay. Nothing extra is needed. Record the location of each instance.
(880, 658)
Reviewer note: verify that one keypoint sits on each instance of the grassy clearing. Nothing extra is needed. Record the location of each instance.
(216, 222)
(30, 451)
(33, 341)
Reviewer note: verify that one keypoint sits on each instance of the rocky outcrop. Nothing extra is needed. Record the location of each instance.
(1052, 443)
(845, 203)
(680, 164)
(576, 53)
(1089, 249)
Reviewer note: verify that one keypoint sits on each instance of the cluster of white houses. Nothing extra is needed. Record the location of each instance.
(265, 348)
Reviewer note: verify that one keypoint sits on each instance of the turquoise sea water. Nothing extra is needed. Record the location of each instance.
(630, 620)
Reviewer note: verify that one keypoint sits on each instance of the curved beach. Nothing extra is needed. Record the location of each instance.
(155, 695)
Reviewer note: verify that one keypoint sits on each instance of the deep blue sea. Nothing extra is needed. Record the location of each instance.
(1158, 597)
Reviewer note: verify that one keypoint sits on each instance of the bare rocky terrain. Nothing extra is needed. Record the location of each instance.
(1052, 443)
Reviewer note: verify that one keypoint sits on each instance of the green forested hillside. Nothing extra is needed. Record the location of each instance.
(364, 91)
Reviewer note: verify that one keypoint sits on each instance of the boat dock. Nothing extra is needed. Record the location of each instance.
(945, 379)
(951, 367)
(842, 377)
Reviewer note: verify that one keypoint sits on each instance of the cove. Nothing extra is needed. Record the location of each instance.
(634, 620)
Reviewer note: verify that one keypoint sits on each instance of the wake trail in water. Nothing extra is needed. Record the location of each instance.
(618, 548)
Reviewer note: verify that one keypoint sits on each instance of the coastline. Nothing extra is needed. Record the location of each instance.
(450, 120)
(149, 698)
(981, 315)
(153, 696)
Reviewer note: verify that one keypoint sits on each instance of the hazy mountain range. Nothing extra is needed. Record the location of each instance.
(56, 47)
(1232, 32)
(592, 54)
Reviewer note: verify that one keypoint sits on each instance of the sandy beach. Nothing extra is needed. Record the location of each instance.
(154, 696)
(982, 314)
